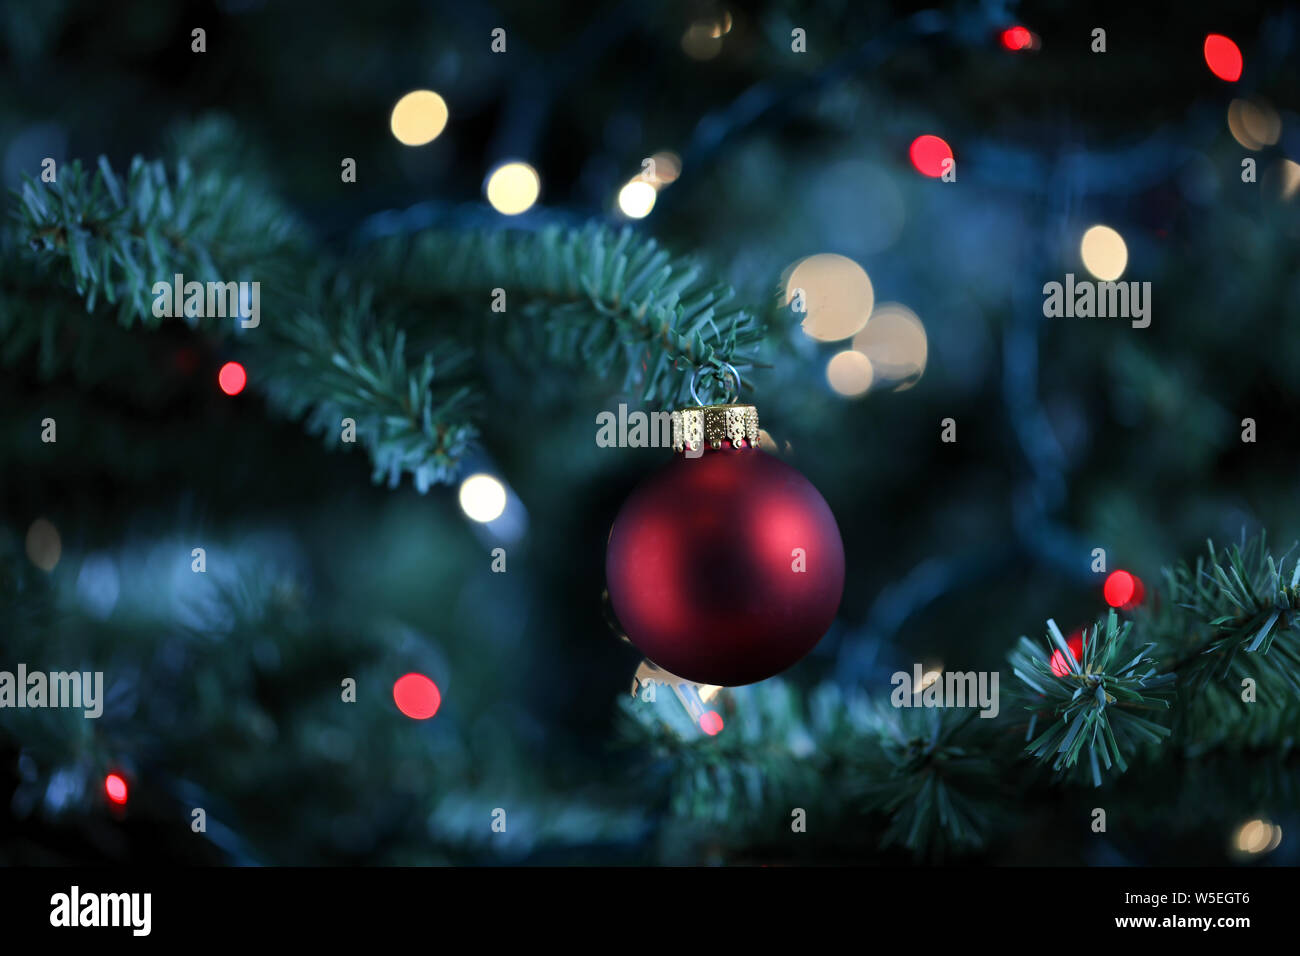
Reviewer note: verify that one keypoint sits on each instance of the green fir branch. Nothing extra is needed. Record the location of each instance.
(616, 302)
(113, 237)
(870, 776)
(1092, 707)
(613, 301)
(1240, 618)
(338, 361)
(933, 777)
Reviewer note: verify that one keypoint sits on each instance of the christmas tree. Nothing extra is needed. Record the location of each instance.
(309, 327)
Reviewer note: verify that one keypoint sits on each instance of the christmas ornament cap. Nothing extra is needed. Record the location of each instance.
(699, 426)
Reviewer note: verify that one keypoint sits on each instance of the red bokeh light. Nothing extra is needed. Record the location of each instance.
(416, 696)
(1223, 57)
(1139, 593)
(115, 787)
(711, 723)
(1060, 666)
(1123, 590)
(232, 378)
(928, 154)
(1017, 38)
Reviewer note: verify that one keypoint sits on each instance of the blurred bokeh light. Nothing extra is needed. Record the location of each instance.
(418, 118)
(513, 187)
(1104, 253)
(835, 293)
(894, 340)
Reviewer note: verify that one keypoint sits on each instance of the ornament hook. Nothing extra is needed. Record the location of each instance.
(731, 396)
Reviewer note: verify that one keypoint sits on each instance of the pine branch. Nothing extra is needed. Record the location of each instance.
(765, 755)
(935, 779)
(869, 776)
(113, 238)
(197, 663)
(1238, 617)
(616, 302)
(1090, 706)
(1217, 721)
(336, 360)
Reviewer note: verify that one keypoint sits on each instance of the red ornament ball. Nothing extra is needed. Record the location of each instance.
(725, 568)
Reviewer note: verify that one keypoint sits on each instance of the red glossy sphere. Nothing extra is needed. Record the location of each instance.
(726, 568)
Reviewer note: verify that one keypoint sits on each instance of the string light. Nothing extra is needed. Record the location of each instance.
(1254, 124)
(418, 118)
(928, 154)
(482, 498)
(416, 696)
(636, 199)
(664, 168)
(1061, 666)
(232, 378)
(1123, 590)
(44, 547)
(834, 294)
(513, 187)
(1258, 836)
(895, 341)
(115, 788)
(1290, 172)
(849, 373)
(1017, 38)
(1104, 253)
(703, 40)
(1223, 57)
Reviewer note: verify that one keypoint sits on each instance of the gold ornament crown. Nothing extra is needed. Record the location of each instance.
(698, 425)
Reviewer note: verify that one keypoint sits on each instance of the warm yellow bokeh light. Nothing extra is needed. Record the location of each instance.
(1254, 124)
(1104, 253)
(636, 199)
(664, 168)
(43, 544)
(482, 498)
(849, 373)
(896, 343)
(1258, 836)
(419, 117)
(513, 188)
(702, 40)
(834, 293)
(1290, 178)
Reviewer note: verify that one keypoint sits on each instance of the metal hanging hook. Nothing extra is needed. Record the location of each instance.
(731, 395)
